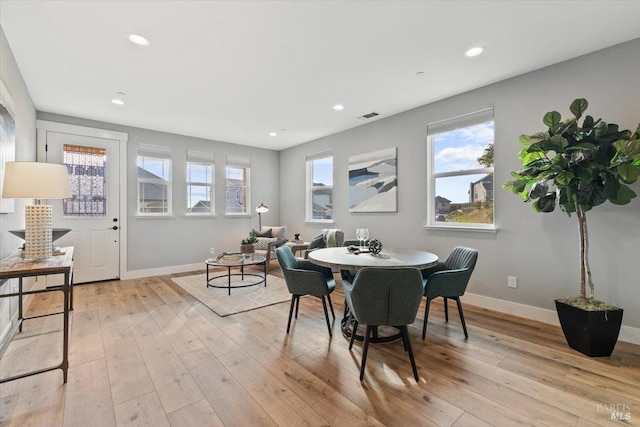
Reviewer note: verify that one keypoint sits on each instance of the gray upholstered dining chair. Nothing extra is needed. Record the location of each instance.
(382, 296)
(305, 278)
(449, 280)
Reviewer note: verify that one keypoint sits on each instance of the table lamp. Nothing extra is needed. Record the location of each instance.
(31, 180)
(261, 209)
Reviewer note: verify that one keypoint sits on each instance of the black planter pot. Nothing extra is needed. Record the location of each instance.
(593, 333)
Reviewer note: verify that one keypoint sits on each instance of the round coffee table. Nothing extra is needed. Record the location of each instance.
(236, 260)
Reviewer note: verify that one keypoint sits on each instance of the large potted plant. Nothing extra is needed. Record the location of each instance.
(579, 166)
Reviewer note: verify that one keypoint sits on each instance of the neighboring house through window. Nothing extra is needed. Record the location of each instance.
(319, 187)
(237, 182)
(460, 157)
(154, 180)
(200, 183)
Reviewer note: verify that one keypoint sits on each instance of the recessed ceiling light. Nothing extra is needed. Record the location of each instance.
(338, 107)
(138, 39)
(118, 99)
(475, 51)
(273, 134)
(420, 73)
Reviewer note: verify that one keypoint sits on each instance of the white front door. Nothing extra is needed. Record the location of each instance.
(93, 213)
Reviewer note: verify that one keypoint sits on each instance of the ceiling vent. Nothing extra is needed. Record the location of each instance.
(369, 115)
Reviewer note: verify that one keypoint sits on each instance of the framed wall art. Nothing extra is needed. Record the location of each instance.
(7, 141)
(373, 181)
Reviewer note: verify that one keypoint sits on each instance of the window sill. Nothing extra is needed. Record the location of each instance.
(477, 228)
(154, 216)
(208, 215)
(320, 221)
(231, 215)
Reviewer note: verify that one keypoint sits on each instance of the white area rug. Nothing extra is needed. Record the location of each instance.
(241, 299)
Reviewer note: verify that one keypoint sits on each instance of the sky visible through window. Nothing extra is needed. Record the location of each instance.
(458, 150)
(323, 171)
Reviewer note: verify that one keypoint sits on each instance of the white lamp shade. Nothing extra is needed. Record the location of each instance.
(32, 180)
(262, 208)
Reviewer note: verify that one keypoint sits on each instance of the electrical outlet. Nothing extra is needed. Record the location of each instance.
(512, 282)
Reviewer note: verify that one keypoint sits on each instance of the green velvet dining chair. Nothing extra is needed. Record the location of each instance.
(449, 280)
(384, 296)
(305, 278)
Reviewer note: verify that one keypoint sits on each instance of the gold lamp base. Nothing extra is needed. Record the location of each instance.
(37, 239)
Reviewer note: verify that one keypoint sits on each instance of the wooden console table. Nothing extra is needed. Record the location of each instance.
(14, 266)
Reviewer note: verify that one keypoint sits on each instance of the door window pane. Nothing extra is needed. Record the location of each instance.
(87, 174)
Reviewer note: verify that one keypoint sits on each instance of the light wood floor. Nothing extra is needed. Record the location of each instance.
(143, 352)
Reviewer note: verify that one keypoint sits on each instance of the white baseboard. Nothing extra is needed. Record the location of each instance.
(137, 274)
(627, 333)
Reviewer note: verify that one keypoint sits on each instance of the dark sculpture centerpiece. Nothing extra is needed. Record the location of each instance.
(375, 246)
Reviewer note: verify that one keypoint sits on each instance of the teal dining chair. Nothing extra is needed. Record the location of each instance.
(449, 280)
(381, 296)
(305, 278)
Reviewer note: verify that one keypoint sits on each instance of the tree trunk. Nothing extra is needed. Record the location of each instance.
(585, 270)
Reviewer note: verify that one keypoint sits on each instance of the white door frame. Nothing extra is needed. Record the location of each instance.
(44, 126)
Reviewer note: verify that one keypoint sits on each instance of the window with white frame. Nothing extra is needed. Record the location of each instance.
(460, 186)
(320, 187)
(200, 183)
(154, 180)
(237, 177)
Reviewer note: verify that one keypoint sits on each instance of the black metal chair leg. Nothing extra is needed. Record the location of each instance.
(404, 341)
(297, 304)
(326, 315)
(446, 309)
(353, 333)
(426, 316)
(364, 351)
(293, 302)
(331, 306)
(407, 339)
(464, 325)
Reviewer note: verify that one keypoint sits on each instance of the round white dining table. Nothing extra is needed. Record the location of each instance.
(342, 259)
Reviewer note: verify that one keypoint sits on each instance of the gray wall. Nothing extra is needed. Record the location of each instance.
(25, 138)
(540, 249)
(181, 240)
(25, 117)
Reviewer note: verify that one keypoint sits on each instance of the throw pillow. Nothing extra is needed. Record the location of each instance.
(266, 233)
(263, 243)
(317, 242)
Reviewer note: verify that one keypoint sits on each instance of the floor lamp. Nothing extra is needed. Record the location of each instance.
(31, 180)
(261, 209)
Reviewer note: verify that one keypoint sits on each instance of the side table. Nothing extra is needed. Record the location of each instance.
(14, 266)
(297, 246)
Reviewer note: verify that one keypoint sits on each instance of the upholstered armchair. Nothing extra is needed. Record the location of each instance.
(449, 280)
(305, 278)
(330, 237)
(269, 238)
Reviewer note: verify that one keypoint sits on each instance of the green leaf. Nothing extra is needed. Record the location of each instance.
(583, 146)
(624, 196)
(525, 140)
(604, 154)
(552, 118)
(538, 137)
(563, 179)
(539, 189)
(578, 107)
(588, 122)
(628, 172)
(546, 203)
(560, 161)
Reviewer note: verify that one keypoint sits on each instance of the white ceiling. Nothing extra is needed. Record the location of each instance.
(235, 71)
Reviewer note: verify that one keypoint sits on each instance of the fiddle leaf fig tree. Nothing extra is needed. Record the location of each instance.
(577, 166)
